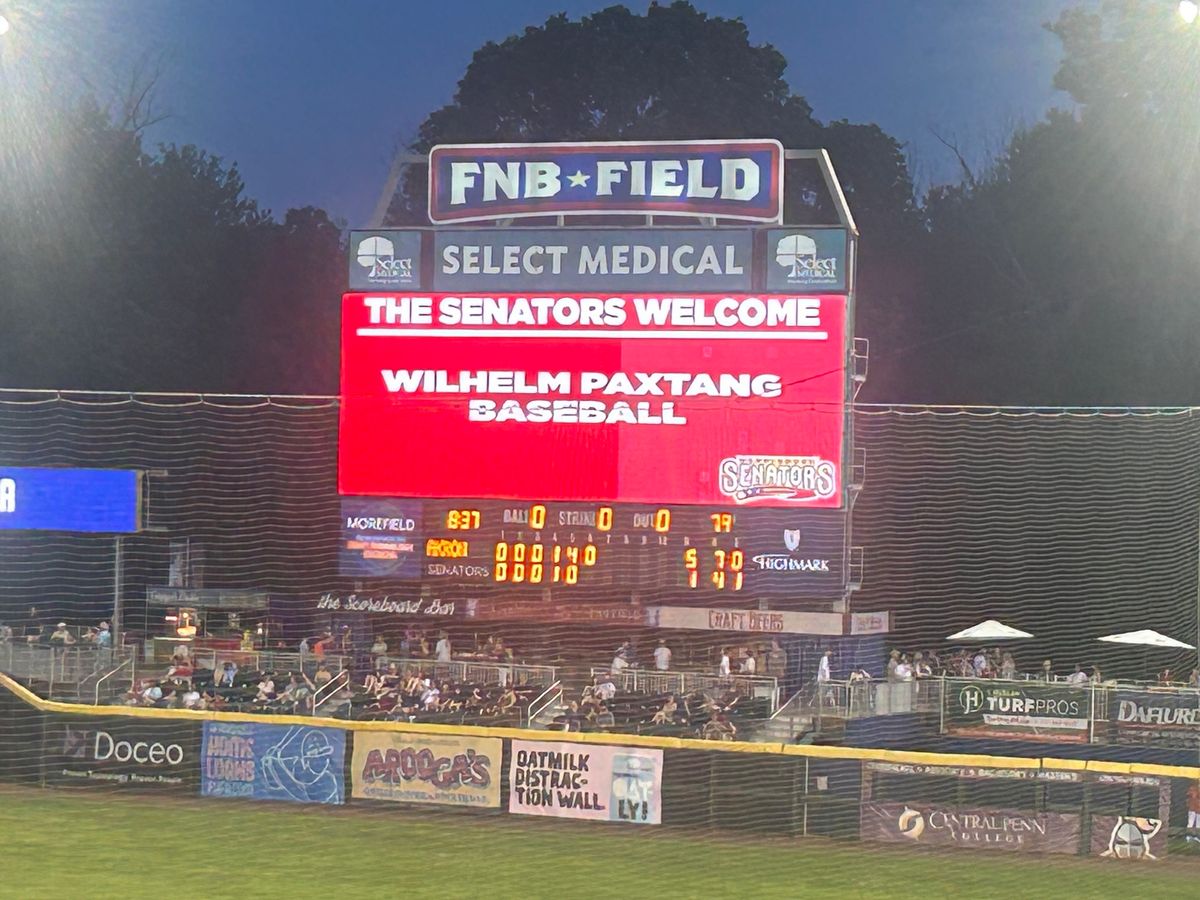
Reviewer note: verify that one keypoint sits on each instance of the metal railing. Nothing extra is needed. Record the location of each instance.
(126, 663)
(339, 681)
(655, 681)
(267, 660)
(470, 672)
(57, 666)
(549, 697)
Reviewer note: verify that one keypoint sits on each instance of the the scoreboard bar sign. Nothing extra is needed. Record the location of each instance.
(729, 179)
(685, 259)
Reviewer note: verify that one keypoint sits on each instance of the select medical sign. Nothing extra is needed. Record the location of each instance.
(726, 179)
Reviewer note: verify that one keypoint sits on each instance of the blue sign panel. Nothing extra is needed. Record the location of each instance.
(106, 501)
(811, 259)
(381, 538)
(298, 763)
(384, 260)
(729, 179)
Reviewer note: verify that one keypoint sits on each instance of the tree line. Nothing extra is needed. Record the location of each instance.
(1060, 271)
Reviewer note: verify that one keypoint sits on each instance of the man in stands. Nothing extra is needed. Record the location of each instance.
(226, 676)
(104, 636)
(61, 636)
(662, 656)
(606, 690)
(442, 651)
(619, 663)
(1078, 677)
(723, 665)
(749, 665)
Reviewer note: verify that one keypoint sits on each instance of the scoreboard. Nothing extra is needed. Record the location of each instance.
(569, 547)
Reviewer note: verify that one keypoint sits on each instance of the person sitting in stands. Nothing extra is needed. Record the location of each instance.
(227, 675)
(374, 683)
(323, 676)
(570, 718)
(606, 690)
(181, 667)
(266, 689)
(413, 684)
(719, 728)
(380, 647)
(507, 701)
(431, 698)
(152, 694)
(666, 715)
(605, 718)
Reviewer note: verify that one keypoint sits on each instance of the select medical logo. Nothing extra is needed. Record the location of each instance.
(386, 260)
(813, 259)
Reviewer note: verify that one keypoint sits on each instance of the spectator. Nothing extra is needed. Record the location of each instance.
(825, 667)
(662, 656)
(893, 661)
(723, 665)
(151, 694)
(606, 690)
(442, 651)
(776, 660)
(666, 715)
(1194, 679)
(605, 718)
(923, 669)
(380, 647)
(749, 665)
(979, 663)
(104, 636)
(719, 728)
(6, 633)
(323, 644)
(1008, 668)
(1193, 818)
(266, 689)
(1047, 670)
(619, 663)
(904, 669)
(323, 676)
(227, 675)
(181, 667)
(430, 698)
(1078, 677)
(62, 636)
(190, 699)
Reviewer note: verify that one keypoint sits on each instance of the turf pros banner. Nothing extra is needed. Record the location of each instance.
(273, 762)
(580, 781)
(1027, 710)
(413, 768)
(122, 752)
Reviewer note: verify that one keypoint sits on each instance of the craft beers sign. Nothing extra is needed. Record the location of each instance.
(728, 179)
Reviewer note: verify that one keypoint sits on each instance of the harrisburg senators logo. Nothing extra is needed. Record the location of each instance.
(800, 479)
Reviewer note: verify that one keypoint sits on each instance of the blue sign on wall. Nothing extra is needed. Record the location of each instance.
(106, 501)
(730, 179)
(297, 763)
(381, 537)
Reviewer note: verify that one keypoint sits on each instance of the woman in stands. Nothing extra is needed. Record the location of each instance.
(666, 715)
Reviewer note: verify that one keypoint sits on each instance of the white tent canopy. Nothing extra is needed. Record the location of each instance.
(989, 630)
(1146, 638)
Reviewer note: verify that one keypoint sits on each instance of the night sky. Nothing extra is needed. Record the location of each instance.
(311, 97)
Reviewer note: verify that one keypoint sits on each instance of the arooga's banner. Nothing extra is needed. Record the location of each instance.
(418, 768)
(1149, 717)
(579, 781)
(273, 762)
(1027, 710)
(605, 259)
(988, 829)
(727, 179)
(122, 752)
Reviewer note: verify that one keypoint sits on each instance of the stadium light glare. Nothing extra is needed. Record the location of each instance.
(5, 25)
(1188, 11)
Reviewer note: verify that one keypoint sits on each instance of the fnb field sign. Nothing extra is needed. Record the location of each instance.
(728, 179)
(635, 398)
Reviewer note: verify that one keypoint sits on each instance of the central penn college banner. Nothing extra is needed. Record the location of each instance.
(1027, 710)
(644, 399)
(986, 829)
(273, 762)
(581, 781)
(418, 768)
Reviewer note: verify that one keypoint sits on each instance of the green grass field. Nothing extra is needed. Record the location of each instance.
(59, 844)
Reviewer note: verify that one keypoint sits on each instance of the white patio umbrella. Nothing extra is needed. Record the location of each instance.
(1146, 638)
(989, 630)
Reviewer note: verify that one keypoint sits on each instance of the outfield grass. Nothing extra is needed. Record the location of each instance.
(60, 844)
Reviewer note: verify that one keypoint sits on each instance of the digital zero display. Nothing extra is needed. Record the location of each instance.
(734, 401)
(570, 546)
(102, 501)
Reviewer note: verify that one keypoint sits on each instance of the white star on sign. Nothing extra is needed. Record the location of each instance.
(578, 179)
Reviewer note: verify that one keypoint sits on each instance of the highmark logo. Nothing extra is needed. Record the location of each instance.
(799, 479)
(790, 562)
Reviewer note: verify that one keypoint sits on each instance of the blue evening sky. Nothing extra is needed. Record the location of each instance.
(311, 97)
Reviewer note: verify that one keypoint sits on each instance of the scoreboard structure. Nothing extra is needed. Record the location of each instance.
(627, 412)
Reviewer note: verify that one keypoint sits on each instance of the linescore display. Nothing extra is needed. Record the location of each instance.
(556, 545)
(704, 399)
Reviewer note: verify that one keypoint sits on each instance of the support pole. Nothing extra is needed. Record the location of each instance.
(118, 573)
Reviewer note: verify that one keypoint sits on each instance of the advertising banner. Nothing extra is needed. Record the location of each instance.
(1028, 710)
(417, 768)
(583, 781)
(273, 762)
(574, 259)
(985, 829)
(706, 399)
(810, 259)
(1128, 837)
(728, 179)
(384, 260)
(207, 598)
(748, 620)
(115, 751)
(1153, 717)
(101, 501)
(380, 537)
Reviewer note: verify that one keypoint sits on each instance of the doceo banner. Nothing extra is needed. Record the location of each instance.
(417, 768)
(729, 179)
(580, 781)
(123, 752)
(105, 501)
(987, 829)
(273, 762)
(1028, 710)
(684, 259)
(654, 399)
(1153, 717)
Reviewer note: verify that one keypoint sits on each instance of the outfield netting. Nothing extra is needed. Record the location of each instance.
(1069, 525)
